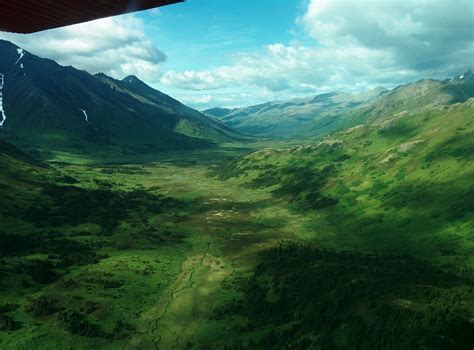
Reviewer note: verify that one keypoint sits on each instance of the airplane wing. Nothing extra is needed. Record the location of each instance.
(29, 16)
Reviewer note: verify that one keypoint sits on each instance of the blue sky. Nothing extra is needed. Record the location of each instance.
(204, 34)
(200, 34)
(233, 53)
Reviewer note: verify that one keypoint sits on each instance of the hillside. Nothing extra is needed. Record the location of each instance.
(326, 113)
(21, 178)
(418, 97)
(50, 109)
(191, 122)
(413, 171)
(388, 208)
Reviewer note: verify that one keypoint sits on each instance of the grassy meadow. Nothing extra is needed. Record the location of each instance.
(125, 256)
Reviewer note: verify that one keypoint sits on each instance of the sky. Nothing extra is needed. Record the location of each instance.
(230, 53)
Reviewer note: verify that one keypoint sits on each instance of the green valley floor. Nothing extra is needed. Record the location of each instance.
(157, 278)
(181, 255)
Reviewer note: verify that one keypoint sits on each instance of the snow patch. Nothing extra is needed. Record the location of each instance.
(85, 114)
(2, 112)
(22, 66)
(86, 118)
(461, 76)
(21, 53)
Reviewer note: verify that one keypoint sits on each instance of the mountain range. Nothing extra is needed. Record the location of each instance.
(329, 112)
(49, 109)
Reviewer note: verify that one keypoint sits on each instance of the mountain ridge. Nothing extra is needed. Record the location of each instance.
(64, 109)
(332, 111)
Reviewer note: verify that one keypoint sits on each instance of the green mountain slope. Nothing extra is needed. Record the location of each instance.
(387, 185)
(52, 109)
(389, 213)
(418, 97)
(191, 122)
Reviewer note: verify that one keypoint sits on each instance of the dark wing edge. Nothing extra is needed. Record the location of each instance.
(30, 16)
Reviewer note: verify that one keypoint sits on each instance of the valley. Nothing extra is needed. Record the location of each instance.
(169, 263)
(214, 250)
(131, 221)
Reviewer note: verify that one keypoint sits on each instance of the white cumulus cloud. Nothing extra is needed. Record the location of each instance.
(353, 46)
(116, 46)
(423, 35)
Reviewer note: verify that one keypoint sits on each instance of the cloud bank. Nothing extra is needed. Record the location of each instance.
(115, 46)
(343, 45)
(353, 46)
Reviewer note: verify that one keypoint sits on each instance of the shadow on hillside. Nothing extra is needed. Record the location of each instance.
(413, 218)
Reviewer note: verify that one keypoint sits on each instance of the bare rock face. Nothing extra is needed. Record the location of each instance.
(331, 143)
(357, 127)
(470, 102)
(387, 124)
(389, 158)
(408, 146)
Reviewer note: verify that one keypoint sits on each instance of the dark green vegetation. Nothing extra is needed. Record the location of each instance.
(362, 239)
(65, 253)
(56, 113)
(393, 203)
(330, 112)
(304, 297)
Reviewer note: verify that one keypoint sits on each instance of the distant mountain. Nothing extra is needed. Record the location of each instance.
(217, 112)
(292, 117)
(326, 113)
(48, 109)
(421, 96)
